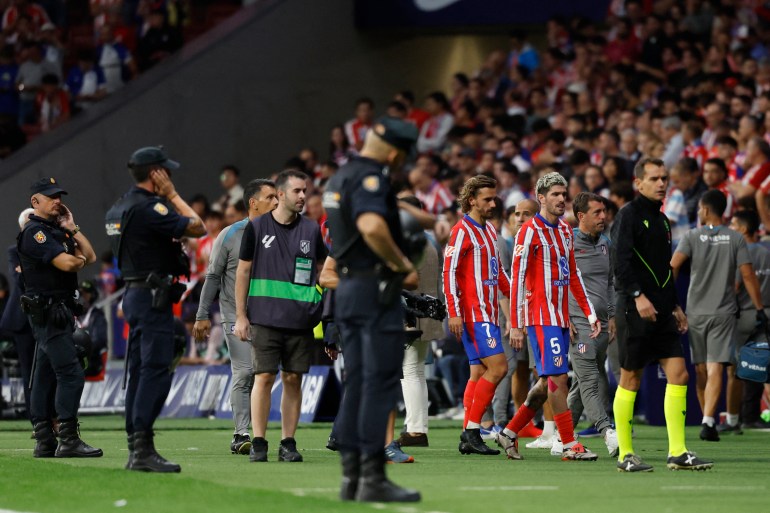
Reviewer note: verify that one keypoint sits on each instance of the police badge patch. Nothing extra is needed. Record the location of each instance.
(160, 208)
(371, 183)
(40, 237)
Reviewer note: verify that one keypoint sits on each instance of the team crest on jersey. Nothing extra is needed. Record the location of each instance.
(160, 208)
(449, 251)
(518, 250)
(493, 267)
(558, 360)
(564, 267)
(304, 246)
(581, 348)
(492, 342)
(40, 237)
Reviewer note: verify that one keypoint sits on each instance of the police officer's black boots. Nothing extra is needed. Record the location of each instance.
(146, 458)
(70, 444)
(373, 486)
(351, 471)
(45, 440)
(130, 440)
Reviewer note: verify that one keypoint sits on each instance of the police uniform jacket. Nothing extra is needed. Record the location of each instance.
(39, 243)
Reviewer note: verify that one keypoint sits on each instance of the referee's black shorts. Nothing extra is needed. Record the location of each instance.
(647, 342)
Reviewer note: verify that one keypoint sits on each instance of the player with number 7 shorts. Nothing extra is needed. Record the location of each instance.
(542, 275)
(472, 279)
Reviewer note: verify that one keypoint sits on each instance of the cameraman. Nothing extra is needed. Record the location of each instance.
(413, 384)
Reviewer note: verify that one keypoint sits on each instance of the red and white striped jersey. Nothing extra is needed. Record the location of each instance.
(697, 151)
(472, 272)
(731, 203)
(437, 199)
(543, 268)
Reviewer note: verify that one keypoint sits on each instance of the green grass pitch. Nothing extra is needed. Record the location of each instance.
(213, 480)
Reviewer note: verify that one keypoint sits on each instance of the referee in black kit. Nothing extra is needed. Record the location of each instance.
(369, 249)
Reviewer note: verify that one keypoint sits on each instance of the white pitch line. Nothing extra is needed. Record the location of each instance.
(523, 488)
(10, 511)
(748, 488)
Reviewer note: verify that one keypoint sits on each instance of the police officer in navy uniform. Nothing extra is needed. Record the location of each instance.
(145, 226)
(369, 249)
(52, 249)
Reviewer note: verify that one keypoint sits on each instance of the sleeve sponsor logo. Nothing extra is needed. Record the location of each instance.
(449, 251)
(518, 250)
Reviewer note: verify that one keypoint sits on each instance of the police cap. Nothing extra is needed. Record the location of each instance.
(396, 132)
(46, 187)
(151, 155)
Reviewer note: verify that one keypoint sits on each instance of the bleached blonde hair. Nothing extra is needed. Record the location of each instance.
(547, 181)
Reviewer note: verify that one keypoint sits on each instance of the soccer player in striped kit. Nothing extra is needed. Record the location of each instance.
(543, 269)
(472, 279)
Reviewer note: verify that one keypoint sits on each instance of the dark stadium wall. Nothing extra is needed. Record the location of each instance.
(271, 82)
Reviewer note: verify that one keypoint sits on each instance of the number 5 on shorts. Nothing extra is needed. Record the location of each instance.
(555, 347)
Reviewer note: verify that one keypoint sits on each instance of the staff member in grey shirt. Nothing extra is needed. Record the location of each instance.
(590, 388)
(716, 253)
(260, 197)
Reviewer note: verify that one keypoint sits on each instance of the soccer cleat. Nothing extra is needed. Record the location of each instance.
(579, 452)
(709, 433)
(727, 429)
(557, 449)
(241, 444)
(287, 451)
(394, 454)
(471, 443)
(530, 431)
(541, 442)
(590, 432)
(633, 463)
(509, 445)
(489, 434)
(688, 461)
(611, 441)
(258, 452)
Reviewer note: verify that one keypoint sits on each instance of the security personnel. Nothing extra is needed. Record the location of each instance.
(369, 249)
(52, 249)
(144, 227)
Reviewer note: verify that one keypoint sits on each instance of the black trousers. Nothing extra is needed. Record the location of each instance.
(150, 353)
(57, 373)
(372, 338)
(25, 347)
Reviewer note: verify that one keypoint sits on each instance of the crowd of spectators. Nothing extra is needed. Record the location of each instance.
(53, 64)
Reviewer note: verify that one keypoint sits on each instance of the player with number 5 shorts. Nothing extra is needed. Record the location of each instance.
(543, 274)
(472, 279)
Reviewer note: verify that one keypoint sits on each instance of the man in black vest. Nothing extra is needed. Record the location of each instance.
(52, 249)
(370, 252)
(144, 227)
(277, 305)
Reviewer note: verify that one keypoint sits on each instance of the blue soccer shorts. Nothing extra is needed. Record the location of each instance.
(481, 340)
(550, 347)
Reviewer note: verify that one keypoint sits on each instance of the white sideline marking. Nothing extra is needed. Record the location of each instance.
(747, 488)
(523, 488)
(301, 492)
(10, 511)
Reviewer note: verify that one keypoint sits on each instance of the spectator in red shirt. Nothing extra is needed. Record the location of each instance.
(356, 128)
(52, 103)
(36, 14)
(757, 163)
(413, 114)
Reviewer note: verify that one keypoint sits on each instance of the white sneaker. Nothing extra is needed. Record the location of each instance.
(611, 441)
(557, 449)
(541, 443)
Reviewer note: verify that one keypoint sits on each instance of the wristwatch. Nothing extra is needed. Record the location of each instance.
(75, 231)
(636, 293)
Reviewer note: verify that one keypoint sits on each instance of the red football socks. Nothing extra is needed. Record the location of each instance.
(470, 391)
(523, 416)
(482, 398)
(563, 422)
